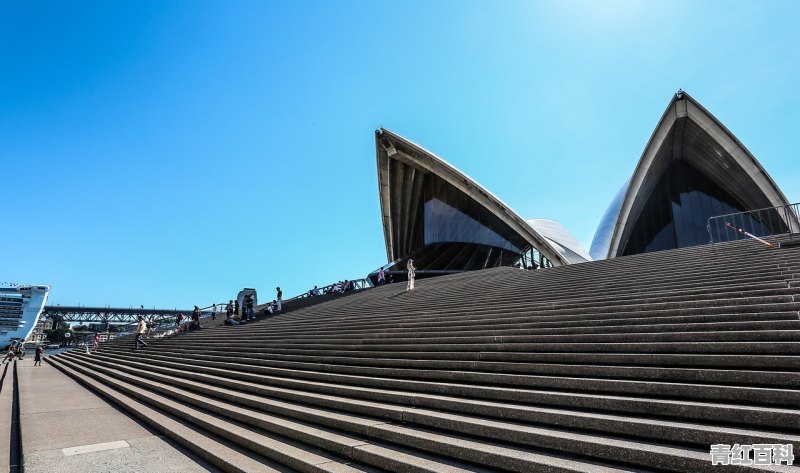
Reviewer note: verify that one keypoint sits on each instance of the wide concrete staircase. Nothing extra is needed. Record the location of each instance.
(633, 364)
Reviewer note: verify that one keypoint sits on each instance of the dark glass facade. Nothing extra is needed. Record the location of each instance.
(454, 233)
(677, 211)
(450, 217)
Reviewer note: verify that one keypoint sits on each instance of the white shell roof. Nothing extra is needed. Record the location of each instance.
(561, 239)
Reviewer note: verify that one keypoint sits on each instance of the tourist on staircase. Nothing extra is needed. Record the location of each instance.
(141, 328)
(248, 305)
(412, 271)
(279, 298)
(229, 320)
(37, 359)
(196, 318)
(229, 310)
(150, 323)
(10, 355)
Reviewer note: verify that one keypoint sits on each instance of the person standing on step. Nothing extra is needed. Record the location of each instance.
(229, 309)
(381, 277)
(412, 272)
(141, 328)
(236, 314)
(280, 297)
(245, 310)
(196, 317)
(248, 303)
(214, 312)
(95, 342)
(37, 359)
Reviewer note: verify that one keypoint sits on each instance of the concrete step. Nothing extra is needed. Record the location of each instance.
(265, 435)
(546, 292)
(604, 301)
(480, 384)
(788, 321)
(436, 369)
(534, 319)
(746, 413)
(211, 448)
(608, 448)
(454, 351)
(784, 330)
(375, 433)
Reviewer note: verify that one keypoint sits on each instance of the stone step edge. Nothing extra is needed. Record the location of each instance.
(636, 452)
(708, 411)
(555, 462)
(215, 452)
(624, 425)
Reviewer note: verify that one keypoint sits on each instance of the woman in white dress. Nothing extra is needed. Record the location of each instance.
(411, 273)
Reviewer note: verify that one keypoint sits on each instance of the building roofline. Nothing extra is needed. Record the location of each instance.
(430, 162)
(683, 105)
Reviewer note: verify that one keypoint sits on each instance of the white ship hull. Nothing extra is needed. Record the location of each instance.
(20, 308)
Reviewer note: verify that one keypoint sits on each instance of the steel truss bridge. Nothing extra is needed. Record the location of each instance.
(114, 315)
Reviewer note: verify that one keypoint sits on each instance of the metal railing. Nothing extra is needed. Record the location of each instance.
(363, 283)
(167, 326)
(755, 224)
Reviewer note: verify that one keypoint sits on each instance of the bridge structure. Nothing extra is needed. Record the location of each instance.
(114, 315)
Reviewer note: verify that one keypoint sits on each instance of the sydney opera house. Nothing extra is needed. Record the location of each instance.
(692, 169)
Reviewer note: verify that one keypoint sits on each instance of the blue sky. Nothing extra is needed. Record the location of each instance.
(170, 153)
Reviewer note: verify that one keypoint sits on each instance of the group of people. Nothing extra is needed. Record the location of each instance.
(17, 350)
(248, 313)
(233, 316)
(338, 288)
(412, 274)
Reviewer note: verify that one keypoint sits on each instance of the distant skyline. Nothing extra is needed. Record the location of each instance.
(171, 153)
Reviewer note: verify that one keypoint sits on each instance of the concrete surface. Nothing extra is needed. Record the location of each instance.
(57, 413)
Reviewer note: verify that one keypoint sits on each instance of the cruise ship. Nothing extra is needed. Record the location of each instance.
(20, 308)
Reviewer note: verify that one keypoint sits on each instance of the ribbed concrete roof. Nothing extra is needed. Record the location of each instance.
(688, 131)
(400, 188)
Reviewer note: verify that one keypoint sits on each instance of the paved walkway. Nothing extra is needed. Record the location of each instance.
(67, 428)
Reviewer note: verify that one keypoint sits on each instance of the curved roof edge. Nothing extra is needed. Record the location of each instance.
(430, 162)
(682, 105)
(558, 234)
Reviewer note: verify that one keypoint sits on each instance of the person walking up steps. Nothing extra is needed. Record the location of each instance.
(37, 359)
(140, 331)
(412, 270)
(196, 318)
(280, 298)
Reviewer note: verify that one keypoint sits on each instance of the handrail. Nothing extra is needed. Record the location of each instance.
(363, 283)
(204, 313)
(755, 224)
